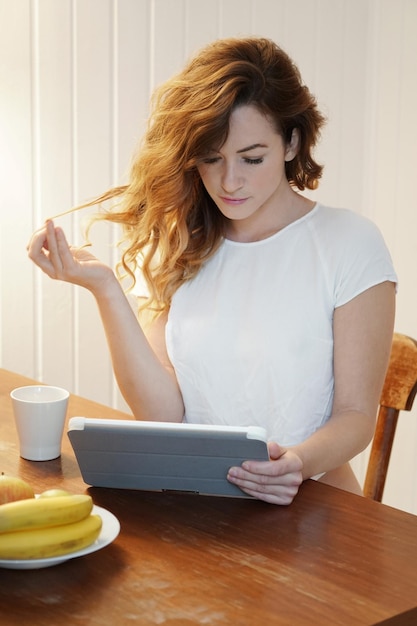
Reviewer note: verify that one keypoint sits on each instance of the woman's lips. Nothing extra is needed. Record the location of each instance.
(233, 201)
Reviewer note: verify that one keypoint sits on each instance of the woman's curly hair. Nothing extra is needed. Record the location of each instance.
(171, 225)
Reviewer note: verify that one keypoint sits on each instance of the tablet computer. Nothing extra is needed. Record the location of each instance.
(163, 456)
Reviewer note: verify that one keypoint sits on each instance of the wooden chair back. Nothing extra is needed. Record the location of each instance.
(397, 395)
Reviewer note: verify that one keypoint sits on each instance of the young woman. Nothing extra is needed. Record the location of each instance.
(262, 307)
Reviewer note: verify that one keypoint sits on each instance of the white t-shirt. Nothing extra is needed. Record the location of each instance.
(250, 337)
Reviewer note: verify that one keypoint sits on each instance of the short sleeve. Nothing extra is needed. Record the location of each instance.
(363, 259)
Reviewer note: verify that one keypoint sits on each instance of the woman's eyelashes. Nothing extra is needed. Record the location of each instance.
(254, 160)
(247, 160)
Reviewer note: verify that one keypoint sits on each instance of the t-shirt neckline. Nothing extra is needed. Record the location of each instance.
(279, 233)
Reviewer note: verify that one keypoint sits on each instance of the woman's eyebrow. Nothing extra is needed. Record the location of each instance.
(252, 147)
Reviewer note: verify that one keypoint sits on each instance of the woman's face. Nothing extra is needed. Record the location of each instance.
(246, 176)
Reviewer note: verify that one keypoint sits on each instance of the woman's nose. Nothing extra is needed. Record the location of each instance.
(231, 181)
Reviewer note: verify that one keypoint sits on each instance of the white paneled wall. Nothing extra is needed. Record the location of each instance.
(75, 81)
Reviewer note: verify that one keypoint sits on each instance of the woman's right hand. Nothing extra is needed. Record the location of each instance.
(49, 249)
(148, 385)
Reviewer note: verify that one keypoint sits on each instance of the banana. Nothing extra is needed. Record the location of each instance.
(43, 543)
(44, 512)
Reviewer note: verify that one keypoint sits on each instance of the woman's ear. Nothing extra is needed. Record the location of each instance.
(293, 145)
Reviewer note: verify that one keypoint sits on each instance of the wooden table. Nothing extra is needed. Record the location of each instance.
(331, 558)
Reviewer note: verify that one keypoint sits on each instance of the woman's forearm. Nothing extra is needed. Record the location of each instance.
(150, 390)
(148, 387)
(344, 436)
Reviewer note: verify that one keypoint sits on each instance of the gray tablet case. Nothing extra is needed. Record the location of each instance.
(163, 456)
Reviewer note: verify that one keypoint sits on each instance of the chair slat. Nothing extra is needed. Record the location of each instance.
(397, 395)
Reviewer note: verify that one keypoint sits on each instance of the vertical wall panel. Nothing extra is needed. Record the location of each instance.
(133, 79)
(168, 42)
(51, 40)
(329, 89)
(17, 315)
(396, 204)
(76, 77)
(338, 85)
(235, 18)
(268, 19)
(93, 157)
(202, 20)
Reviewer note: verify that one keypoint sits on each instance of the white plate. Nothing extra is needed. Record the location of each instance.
(109, 532)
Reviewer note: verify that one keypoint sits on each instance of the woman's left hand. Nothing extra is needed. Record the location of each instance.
(276, 481)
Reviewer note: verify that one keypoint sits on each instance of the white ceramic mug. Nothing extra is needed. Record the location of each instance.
(39, 412)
